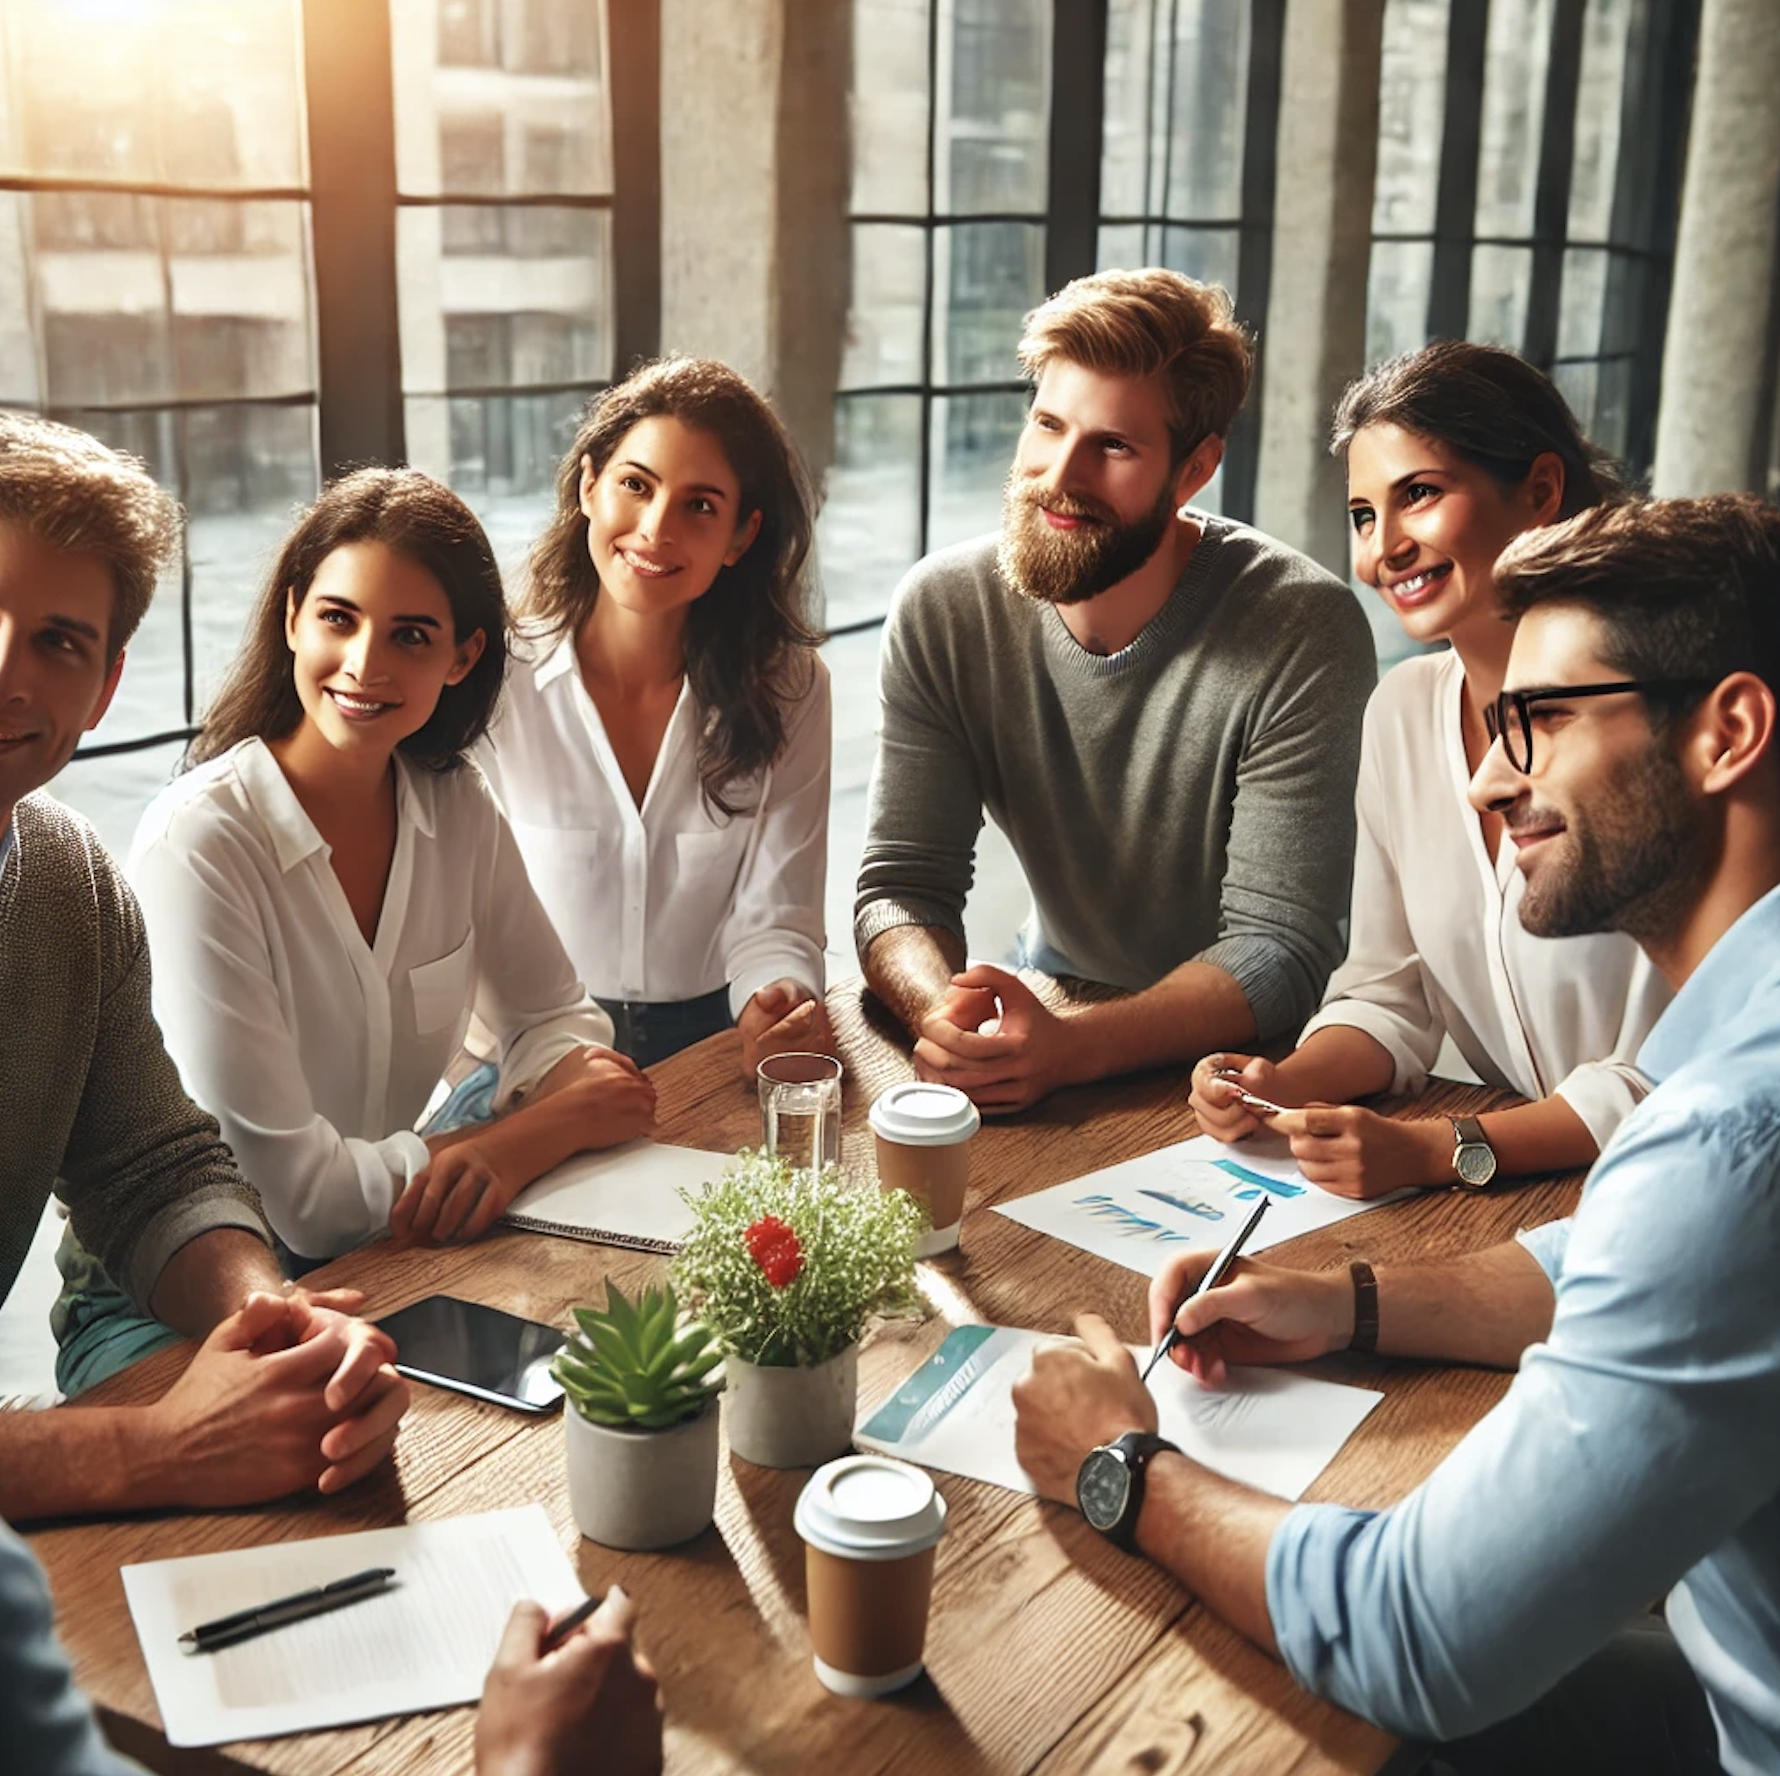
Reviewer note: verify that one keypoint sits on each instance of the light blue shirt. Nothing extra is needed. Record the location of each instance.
(1638, 1449)
(50, 1729)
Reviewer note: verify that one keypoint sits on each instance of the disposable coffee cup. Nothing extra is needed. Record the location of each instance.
(923, 1133)
(870, 1529)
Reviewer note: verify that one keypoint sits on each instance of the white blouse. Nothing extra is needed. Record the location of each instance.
(1437, 947)
(316, 1051)
(671, 900)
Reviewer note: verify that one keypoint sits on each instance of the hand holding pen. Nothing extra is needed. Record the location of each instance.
(1259, 1314)
(1215, 1273)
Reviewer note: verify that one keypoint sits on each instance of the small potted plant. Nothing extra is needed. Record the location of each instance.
(642, 1420)
(787, 1266)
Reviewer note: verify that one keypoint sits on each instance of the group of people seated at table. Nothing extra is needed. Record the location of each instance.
(434, 885)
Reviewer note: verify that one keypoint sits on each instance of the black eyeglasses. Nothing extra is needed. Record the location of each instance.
(1510, 718)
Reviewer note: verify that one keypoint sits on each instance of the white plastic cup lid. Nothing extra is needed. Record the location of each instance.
(916, 1114)
(868, 1507)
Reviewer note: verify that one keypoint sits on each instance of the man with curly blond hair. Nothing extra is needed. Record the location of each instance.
(1160, 708)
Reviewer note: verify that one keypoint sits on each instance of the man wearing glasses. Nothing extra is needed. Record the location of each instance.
(1503, 1607)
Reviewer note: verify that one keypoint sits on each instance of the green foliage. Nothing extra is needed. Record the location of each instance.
(856, 1246)
(635, 1366)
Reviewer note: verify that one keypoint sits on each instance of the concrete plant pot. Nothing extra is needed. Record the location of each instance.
(642, 1489)
(793, 1417)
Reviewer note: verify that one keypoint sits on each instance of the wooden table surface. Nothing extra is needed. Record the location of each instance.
(1048, 1651)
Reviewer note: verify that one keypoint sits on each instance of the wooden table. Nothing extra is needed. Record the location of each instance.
(1049, 1651)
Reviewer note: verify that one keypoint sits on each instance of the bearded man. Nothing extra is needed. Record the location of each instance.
(1159, 707)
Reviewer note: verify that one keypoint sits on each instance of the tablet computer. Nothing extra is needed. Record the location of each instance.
(477, 1350)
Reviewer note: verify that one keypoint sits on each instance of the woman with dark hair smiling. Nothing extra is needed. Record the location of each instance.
(1451, 452)
(332, 890)
(663, 751)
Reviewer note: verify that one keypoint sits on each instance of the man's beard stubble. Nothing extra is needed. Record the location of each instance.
(1070, 566)
(1634, 864)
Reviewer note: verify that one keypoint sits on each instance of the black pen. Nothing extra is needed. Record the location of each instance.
(564, 1626)
(1220, 1267)
(244, 1624)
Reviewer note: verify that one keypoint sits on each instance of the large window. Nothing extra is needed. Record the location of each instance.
(159, 240)
(504, 243)
(950, 115)
(155, 289)
(1186, 181)
(1001, 147)
(1529, 159)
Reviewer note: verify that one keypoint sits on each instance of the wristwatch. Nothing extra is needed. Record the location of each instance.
(1109, 1484)
(1473, 1158)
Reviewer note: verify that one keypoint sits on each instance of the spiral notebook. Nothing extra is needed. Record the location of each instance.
(625, 1196)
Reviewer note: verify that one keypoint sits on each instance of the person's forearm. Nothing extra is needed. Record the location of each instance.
(529, 1141)
(209, 1277)
(1190, 1012)
(1213, 1535)
(1335, 1065)
(910, 968)
(1544, 1137)
(81, 1461)
(1485, 1308)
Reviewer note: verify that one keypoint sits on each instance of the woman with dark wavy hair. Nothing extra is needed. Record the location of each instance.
(663, 751)
(331, 891)
(1452, 451)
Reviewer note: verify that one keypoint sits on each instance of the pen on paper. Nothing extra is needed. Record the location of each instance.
(564, 1626)
(1220, 1267)
(208, 1637)
(1247, 1099)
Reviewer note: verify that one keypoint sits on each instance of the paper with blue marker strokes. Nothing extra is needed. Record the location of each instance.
(1143, 1211)
(1268, 1429)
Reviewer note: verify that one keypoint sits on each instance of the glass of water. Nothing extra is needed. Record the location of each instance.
(800, 1108)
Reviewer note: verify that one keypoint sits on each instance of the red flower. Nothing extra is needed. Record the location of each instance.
(773, 1245)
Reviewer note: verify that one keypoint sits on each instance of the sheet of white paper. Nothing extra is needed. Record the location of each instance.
(628, 1192)
(1142, 1211)
(426, 1642)
(1268, 1429)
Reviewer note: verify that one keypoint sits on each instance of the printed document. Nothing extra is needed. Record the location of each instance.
(1268, 1429)
(425, 1642)
(1143, 1211)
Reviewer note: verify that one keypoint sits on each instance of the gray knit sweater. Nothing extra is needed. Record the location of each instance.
(90, 1105)
(1188, 798)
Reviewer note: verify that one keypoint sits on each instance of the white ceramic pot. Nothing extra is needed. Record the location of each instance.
(792, 1418)
(642, 1489)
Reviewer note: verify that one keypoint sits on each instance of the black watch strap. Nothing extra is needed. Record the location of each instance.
(1139, 1448)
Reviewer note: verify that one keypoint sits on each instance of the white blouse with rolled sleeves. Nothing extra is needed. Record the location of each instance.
(316, 1051)
(671, 900)
(1436, 944)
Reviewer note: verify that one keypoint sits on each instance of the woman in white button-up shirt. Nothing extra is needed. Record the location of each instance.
(663, 750)
(1451, 452)
(332, 891)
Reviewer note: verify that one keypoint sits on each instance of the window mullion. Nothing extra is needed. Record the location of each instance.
(348, 76)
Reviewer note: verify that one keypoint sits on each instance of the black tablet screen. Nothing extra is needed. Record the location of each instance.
(477, 1350)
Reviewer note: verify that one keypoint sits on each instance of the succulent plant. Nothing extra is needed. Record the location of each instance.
(635, 1366)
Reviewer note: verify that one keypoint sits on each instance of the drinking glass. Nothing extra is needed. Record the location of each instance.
(800, 1108)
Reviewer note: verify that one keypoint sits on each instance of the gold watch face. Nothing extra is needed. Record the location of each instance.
(1474, 1163)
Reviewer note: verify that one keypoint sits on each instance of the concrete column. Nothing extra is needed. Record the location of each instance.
(1315, 341)
(1712, 429)
(754, 189)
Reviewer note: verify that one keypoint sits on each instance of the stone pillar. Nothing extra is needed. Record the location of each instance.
(1322, 246)
(1712, 429)
(754, 189)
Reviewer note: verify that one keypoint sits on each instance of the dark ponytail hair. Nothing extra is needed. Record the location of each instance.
(747, 642)
(1488, 405)
(413, 515)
